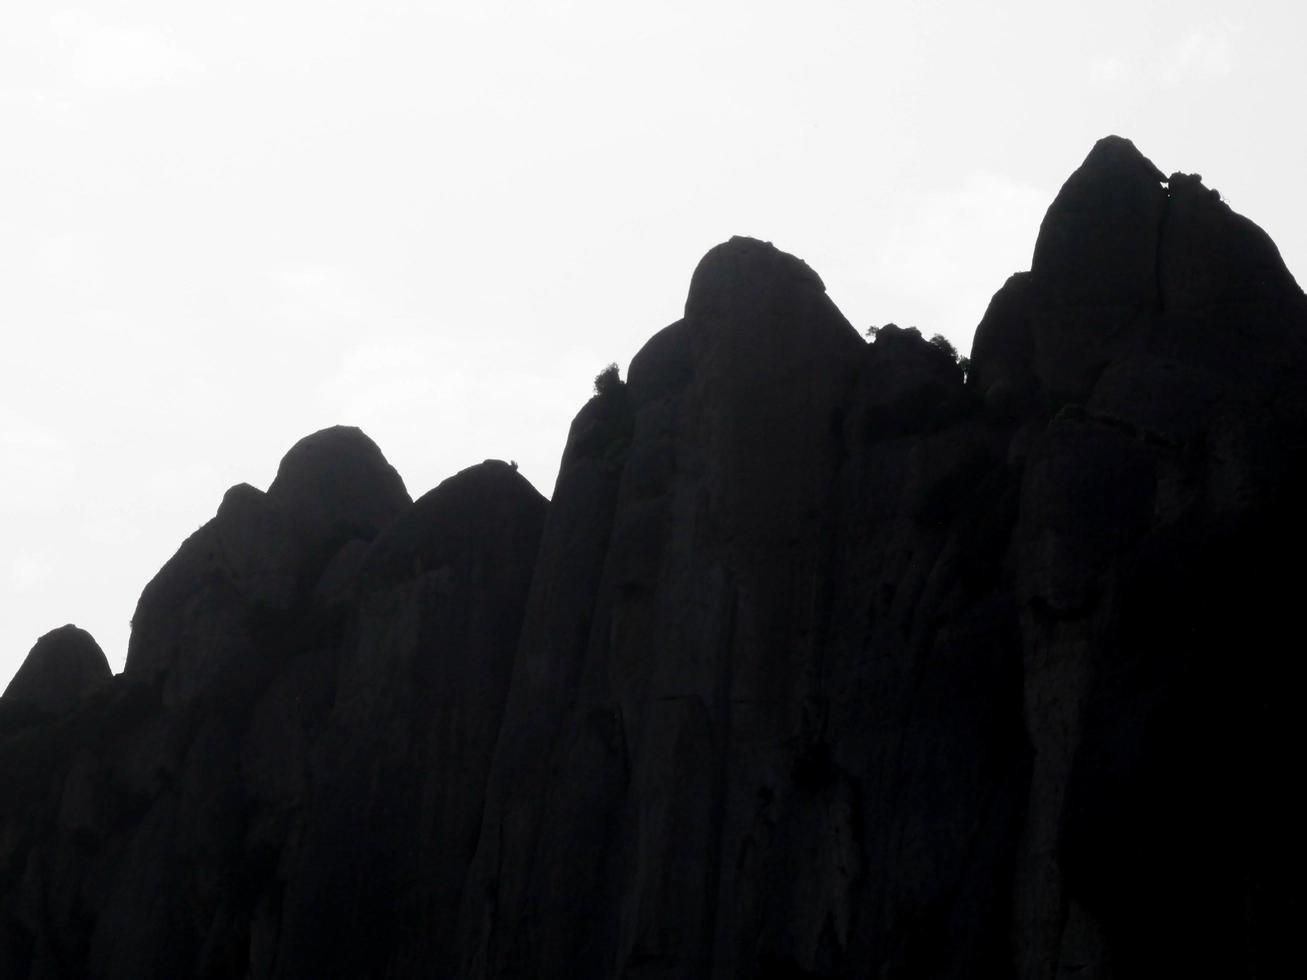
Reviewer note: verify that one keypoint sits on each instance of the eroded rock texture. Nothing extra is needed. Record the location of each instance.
(823, 661)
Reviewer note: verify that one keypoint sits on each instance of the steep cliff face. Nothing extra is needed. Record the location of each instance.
(824, 660)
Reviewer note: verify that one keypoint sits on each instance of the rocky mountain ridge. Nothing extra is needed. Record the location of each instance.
(824, 660)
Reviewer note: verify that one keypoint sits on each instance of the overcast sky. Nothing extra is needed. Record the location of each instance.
(224, 226)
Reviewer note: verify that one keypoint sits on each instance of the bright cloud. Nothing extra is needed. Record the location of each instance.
(28, 571)
(19, 434)
(113, 56)
(1199, 54)
(1108, 72)
(949, 250)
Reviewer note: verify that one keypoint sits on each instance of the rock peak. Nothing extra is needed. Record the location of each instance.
(1094, 270)
(340, 486)
(743, 266)
(462, 516)
(1116, 155)
(63, 667)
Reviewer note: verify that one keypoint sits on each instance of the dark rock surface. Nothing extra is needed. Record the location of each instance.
(338, 487)
(823, 660)
(216, 614)
(59, 672)
(400, 767)
(1093, 277)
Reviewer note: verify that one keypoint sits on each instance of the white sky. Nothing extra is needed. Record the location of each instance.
(224, 226)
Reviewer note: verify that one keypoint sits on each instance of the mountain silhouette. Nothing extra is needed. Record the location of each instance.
(827, 658)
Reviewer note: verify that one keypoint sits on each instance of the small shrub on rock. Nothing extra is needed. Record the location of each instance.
(609, 379)
(943, 343)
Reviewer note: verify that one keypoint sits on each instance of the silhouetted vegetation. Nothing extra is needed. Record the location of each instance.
(944, 344)
(608, 380)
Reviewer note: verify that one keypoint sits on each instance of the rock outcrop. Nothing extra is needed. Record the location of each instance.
(216, 615)
(824, 660)
(64, 667)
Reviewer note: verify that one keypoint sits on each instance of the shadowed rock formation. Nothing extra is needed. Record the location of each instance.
(63, 668)
(823, 660)
(216, 614)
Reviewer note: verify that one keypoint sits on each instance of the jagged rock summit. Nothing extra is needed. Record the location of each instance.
(826, 659)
